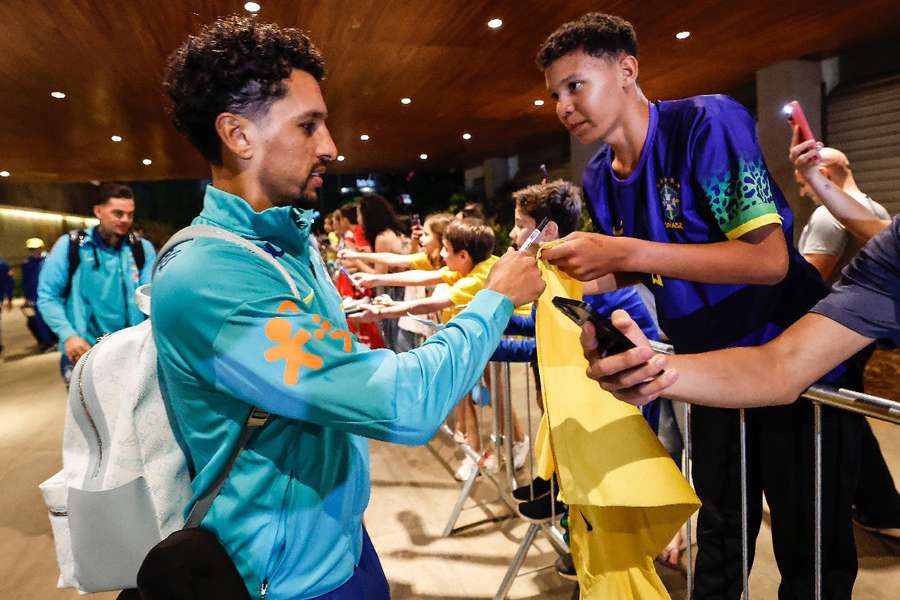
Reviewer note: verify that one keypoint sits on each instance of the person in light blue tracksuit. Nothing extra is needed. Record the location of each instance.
(230, 335)
(87, 283)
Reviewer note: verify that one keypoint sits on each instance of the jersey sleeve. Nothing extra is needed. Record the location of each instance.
(465, 288)
(449, 277)
(420, 262)
(728, 166)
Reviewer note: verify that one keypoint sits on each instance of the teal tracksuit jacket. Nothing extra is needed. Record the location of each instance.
(230, 336)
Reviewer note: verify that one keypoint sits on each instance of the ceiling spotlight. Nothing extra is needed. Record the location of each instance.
(423, 156)
(341, 158)
(682, 35)
(4, 173)
(467, 136)
(116, 138)
(365, 189)
(147, 162)
(495, 23)
(405, 100)
(344, 190)
(58, 95)
(538, 102)
(364, 137)
(252, 7)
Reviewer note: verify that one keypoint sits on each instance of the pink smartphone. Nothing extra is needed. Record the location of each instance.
(795, 116)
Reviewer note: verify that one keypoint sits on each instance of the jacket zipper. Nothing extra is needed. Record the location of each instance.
(278, 544)
(87, 413)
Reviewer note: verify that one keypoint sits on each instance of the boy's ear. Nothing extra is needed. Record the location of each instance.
(628, 69)
(551, 232)
(464, 255)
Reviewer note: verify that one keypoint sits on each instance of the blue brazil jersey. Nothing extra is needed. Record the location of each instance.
(702, 179)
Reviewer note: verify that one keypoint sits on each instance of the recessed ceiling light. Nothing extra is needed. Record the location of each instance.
(344, 190)
(341, 158)
(539, 102)
(147, 162)
(4, 173)
(495, 23)
(252, 7)
(116, 138)
(58, 95)
(423, 156)
(683, 35)
(364, 137)
(467, 136)
(405, 100)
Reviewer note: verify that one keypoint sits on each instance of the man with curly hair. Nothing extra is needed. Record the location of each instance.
(230, 335)
(685, 204)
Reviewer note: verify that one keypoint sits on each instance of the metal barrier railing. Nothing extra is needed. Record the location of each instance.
(842, 399)
(505, 481)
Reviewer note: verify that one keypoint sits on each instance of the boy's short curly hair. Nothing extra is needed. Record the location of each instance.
(559, 201)
(596, 34)
(236, 64)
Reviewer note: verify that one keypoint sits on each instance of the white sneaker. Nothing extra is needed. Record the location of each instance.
(520, 453)
(489, 462)
(465, 470)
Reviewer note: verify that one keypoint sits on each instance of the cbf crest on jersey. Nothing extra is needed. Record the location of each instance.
(669, 192)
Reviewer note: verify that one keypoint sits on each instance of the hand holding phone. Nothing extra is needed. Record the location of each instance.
(609, 339)
(796, 117)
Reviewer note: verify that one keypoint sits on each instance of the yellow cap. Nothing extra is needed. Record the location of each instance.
(34, 243)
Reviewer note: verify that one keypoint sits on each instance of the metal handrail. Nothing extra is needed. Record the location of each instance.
(851, 401)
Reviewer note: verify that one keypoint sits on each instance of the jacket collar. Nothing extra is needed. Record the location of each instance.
(284, 226)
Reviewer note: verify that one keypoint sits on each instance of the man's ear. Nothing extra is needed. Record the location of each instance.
(237, 134)
(628, 69)
(98, 210)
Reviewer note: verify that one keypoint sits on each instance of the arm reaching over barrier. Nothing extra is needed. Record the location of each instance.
(775, 373)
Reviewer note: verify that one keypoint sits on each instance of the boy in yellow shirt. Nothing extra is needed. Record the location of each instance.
(467, 253)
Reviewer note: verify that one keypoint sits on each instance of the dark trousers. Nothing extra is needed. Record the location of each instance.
(877, 501)
(780, 464)
(368, 581)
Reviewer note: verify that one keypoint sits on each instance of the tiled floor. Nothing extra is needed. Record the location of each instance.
(412, 496)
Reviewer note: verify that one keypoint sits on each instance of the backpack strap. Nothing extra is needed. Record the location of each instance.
(76, 238)
(208, 231)
(256, 419)
(137, 250)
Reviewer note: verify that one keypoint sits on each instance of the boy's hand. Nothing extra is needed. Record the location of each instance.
(516, 276)
(636, 376)
(368, 313)
(364, 280)
(586, 256)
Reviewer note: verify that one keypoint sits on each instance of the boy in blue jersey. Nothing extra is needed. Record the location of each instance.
(684, 203)
(230, 335)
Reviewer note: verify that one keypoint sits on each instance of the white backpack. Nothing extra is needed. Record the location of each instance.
(125, 481)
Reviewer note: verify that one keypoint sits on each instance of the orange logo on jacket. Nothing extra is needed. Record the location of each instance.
(290, 346)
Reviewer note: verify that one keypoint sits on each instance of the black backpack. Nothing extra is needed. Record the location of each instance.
(76, 239)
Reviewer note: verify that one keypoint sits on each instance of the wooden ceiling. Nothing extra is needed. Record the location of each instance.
(108, 58)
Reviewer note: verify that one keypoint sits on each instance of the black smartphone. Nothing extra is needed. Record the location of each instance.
(416, 221)
(609, 339)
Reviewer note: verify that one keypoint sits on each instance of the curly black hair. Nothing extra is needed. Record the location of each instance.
(597, 34)
(236, 64)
